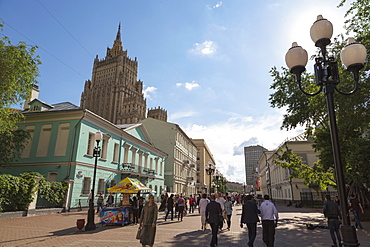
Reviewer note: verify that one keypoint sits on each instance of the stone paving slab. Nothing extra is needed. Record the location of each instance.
(61, 230)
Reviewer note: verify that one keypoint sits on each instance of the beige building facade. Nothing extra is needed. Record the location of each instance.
(274, 179)
(180, 166)
(204, 158)
(114, 92)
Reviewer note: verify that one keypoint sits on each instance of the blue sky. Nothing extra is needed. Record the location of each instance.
(206, 62)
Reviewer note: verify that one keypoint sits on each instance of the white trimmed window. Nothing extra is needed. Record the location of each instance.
(104, 147)
(115, 153)
(86, 186)
(101, 186)
(90, 144)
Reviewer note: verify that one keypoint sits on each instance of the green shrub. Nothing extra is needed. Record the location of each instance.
(16, 193)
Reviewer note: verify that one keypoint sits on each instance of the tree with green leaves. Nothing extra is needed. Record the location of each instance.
(18, 73)
(352, 111)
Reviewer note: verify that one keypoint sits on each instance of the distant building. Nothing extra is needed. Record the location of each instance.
(235, 187)
(158, 113)
(275, 179)
(204, 158)
(114, 92)
(252, 155)
(180, 165)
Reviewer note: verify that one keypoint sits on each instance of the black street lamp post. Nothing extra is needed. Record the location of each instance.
(268, 178)
(210, 169)
(353, 57)
(90, 213)
(217, 185)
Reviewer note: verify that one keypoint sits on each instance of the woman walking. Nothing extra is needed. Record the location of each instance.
(229, 211)
(148, 221)
(135, 210)
(169, 206)
(180, 207)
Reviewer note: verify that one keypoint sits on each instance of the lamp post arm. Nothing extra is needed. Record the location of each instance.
(348, 93)
(355, 68)
(299, 80)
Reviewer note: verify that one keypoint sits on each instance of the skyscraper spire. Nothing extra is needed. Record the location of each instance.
(119, 32)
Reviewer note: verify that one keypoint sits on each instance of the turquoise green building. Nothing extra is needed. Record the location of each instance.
(61, 149)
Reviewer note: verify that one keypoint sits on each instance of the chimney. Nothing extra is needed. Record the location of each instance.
(34, 95)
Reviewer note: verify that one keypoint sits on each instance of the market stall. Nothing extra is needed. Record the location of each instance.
(122, 214)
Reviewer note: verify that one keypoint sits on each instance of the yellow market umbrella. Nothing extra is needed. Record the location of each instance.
(130, 186)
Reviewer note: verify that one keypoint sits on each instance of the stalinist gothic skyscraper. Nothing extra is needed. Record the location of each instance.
(114, 92)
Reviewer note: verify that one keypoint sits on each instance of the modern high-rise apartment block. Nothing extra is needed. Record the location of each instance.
(114, 92)
(252, 155)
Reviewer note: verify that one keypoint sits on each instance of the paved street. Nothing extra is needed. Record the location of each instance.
(60, 230)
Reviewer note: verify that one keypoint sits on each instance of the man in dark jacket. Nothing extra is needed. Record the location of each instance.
(250, 217)
(332, 212)
(213, 215)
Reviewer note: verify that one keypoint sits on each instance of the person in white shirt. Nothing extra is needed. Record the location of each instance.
(220, 199)
(269, 216)
(203, 202)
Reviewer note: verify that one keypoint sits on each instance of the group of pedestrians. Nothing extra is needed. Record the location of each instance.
(269, 217)
(219, 210)
(332, 211)
(179, 204)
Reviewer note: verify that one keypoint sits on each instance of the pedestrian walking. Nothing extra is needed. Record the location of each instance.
(221, 201)
(180, 207)
(148, 221)
(250, 218)
(164, 198)
(202, 205)
(169, 206)
(229, 211)
(141, 205)
(336, 200)
(332, 212)
(356, 208)
(135, 210)
(176, 206)
(270, 217)
(191, 204)
(100, 202)
(213, 215)
(110, 200)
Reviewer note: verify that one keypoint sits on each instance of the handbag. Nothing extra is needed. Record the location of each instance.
(138, 234)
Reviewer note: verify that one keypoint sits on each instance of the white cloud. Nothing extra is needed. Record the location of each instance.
(214, 6)
(208, 47)
(179, 115)
(217, 5)
(188, 85)
(149, 90)
(225, 140)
